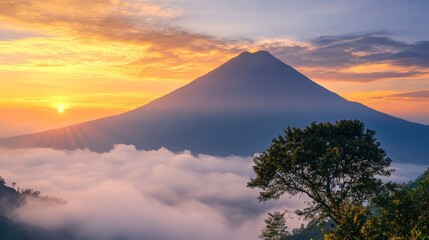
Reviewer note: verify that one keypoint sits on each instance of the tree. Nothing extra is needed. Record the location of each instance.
(314, 230)
(420, 195)
(394, 213)
(2, 181)
(335, 165)
(275, 228)
(402, 211)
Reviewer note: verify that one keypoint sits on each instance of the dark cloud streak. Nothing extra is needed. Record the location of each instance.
(422, 95)
(364, 77)
(334, 53)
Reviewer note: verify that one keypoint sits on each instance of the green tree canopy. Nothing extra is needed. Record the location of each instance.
(275, 228)
(402, 211)
(335, 165)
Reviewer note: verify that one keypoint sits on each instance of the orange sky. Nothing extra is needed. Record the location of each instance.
(104, 57)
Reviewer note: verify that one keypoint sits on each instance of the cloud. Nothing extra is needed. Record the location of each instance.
(141, 194)
(162, 50)
(360, 77)
(422, 95)
(133, 22)
(159, 50)
(406, 172)
(337, 57)
(349, 50)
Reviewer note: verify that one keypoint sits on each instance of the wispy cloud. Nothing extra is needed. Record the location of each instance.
(422, 95)
(338, 57)
(143, 24)
(350, 50)
(135, 21)
(162, 50)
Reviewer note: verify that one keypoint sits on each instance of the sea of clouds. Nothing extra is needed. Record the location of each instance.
(133, 194)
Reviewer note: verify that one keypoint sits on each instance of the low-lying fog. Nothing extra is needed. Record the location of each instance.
(132, 194)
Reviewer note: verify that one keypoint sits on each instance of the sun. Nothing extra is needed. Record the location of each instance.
(60, 108)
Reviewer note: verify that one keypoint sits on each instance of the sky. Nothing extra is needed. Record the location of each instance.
(69, 61)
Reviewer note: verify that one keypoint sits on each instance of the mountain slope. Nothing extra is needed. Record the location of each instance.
(235, 109)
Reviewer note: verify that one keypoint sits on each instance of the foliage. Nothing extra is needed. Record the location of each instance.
(336, 165)
(402, 212)
(349, 227)
(420, 196)
(275, 228)
(313, 231)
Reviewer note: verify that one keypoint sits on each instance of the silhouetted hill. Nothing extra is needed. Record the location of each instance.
(235, 109)
(9, 198)
(10, 229)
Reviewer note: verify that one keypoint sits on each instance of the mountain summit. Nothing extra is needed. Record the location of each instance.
(249, 82)
(235, 109)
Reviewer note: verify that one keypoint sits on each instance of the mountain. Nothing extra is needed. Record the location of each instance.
(235, 109)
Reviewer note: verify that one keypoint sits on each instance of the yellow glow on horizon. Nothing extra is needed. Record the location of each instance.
(373, 67)
(367, 95)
